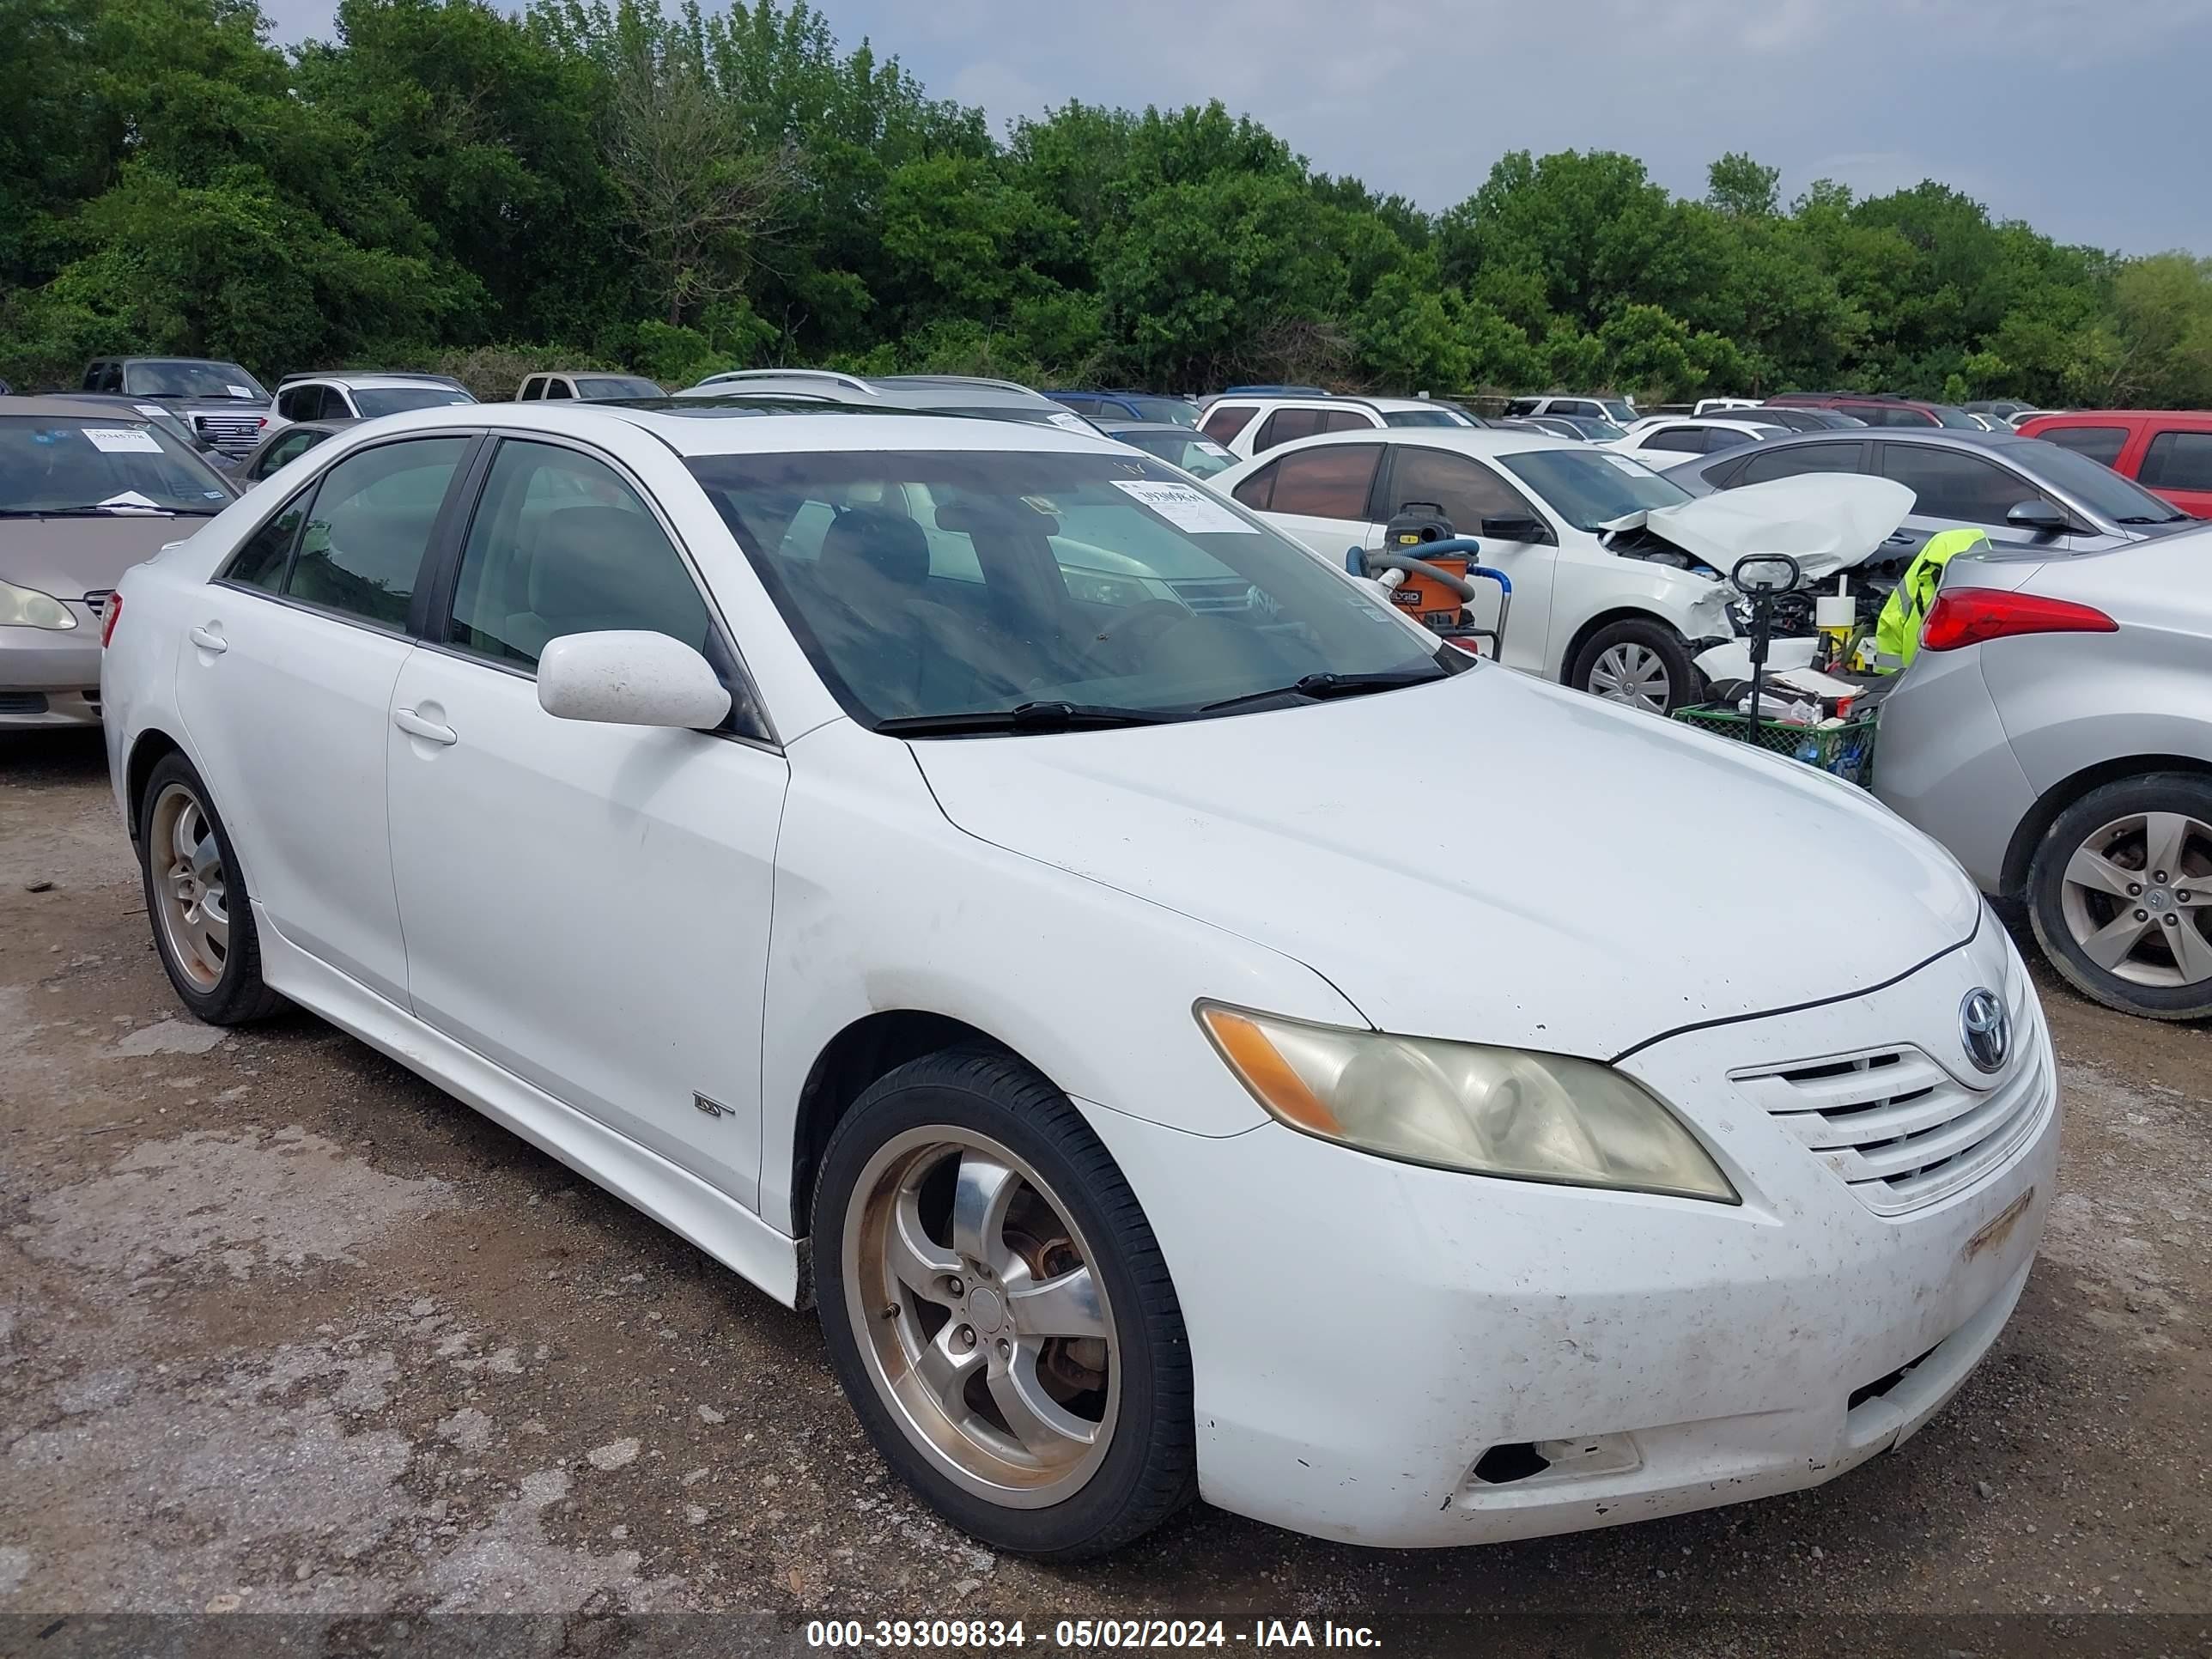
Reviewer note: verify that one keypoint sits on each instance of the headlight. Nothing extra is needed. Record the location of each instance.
(1090, 587)
(26, 607)
(1466, 1106)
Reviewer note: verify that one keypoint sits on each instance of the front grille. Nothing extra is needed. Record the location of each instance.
(230, 431)
(1900, 1130)
(96, 601)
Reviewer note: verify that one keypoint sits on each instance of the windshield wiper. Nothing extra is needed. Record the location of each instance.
(124, 510)
(1325, 685)
(2145, 518)
(1023, 717)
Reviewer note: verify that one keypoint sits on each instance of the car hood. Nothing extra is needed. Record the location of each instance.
(1826, 522)
(71, 558)
(1490, 857)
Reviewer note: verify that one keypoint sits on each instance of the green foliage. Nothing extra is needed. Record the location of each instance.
(683, 191)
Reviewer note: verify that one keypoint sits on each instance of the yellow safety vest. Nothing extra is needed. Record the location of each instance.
(1897, 631)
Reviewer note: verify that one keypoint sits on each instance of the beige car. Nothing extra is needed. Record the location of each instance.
(86, 490)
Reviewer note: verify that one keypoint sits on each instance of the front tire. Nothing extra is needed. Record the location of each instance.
(2120, 894)
(999, 1311)
(197, 901)
(1642, 664)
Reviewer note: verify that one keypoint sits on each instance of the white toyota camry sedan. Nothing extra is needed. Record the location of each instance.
(1189, 1032)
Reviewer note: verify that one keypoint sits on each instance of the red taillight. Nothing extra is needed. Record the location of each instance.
(1971, 615)
(110, 614)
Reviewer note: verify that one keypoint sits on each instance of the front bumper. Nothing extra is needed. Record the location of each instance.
(51, 676)
(1363, 1332)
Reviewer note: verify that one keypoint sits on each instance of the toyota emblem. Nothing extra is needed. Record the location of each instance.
(1986, 1028)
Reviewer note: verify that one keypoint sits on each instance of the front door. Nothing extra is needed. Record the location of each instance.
(1469, 491)
(284, 681)
(585, 905)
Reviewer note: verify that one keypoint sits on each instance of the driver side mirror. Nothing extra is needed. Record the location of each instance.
(2040, 517)
(1516, 528)
(630, 676)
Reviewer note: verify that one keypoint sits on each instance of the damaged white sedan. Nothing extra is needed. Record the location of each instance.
(1619, 576)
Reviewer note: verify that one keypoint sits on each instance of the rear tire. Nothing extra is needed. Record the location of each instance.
(953, 1188)
(2118, 836)
(196, 902)
(1640, 664)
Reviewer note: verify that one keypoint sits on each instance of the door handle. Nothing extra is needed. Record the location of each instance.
(415, 726)
(1900, 539)
(213, 643)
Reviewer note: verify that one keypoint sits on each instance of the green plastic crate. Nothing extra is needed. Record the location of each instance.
(1847, 750)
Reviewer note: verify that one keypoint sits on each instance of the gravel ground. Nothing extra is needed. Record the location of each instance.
(282, 1329)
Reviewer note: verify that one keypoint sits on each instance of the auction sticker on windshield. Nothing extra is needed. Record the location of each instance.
(1634, 469)
(1188, 508)
(122, 440)
(239, 390)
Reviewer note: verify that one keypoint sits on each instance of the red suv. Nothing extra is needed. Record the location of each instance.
(1877, 408)
(2168, 451)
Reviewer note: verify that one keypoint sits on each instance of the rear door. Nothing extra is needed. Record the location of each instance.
(1321, 497)
(284, 683)
(2176, 464)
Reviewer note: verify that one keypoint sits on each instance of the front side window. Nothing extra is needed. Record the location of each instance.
(1718, 437)
(1467, 491)
(1195, 453)
(2179, 460)
(83, 466)
(289, 447)
(1347, 420)
(562, 544)
(300, 403)
(1590, 488)
(165, 376)
(1617, 411)
(1287, 425)
(2101, 444)
(1958, 420)
(932, 585)
(362, 548)
(1947, 484)
(1329, 482)
(1422, 417)
(2096, 487)
(1225, 420)
(1687, 440)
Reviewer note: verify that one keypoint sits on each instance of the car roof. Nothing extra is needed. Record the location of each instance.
(764, 426)
(1735, 420)
(2179, 417)
(1117, 428)
(365, 382)
(1467, 440)
(63, 405)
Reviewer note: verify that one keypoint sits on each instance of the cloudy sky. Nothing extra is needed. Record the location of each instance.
(2084, 117)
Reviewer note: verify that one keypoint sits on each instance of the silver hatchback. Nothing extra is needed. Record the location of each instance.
(2055, 733)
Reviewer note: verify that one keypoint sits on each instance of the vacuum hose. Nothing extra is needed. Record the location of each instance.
(1412, 567)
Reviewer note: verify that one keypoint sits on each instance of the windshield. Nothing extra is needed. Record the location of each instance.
(936, 584)
(1197, 455)
(1424, 417)
(1597, 432)
(79, 464)
(372, 401)
(1620, 412)
(615, 386)
(1587, 488)
(185, 377)
(1033, 414)
(1957, 419)
(2092, 484)
(1174, 411)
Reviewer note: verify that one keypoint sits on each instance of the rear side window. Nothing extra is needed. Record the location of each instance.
(299, 403)
(557, 387)
(528, 392)
(1799, 459)
(333, 406)
(1347, 420)
(2179, 460)
(2098, 443)
(562, 544)
(1947, 484)
(1225, 420)
(1327, 483)
(362, 548)
(1718, 437)
(260, 563)
(1287, 425)
(1687, 440)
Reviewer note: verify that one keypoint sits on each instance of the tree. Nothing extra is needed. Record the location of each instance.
(693, 198)
(1742, 189)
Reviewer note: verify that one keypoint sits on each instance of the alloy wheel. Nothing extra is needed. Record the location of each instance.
(2135, 896)
(979, 1316)
(191, 899)
(1633, 674)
